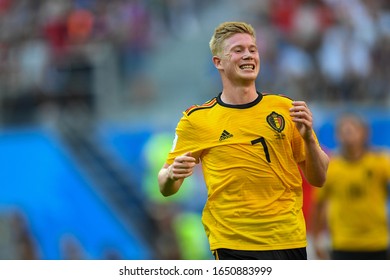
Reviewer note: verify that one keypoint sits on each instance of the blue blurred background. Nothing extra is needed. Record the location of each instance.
(91, 92)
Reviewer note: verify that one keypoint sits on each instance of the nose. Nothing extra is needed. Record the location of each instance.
(247, 55)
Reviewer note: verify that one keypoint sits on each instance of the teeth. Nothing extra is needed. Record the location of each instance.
(247, 67)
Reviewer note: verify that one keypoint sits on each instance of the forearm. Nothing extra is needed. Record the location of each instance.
(168, 186)
(316, 163)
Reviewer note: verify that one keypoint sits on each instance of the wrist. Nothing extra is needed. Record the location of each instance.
(310, 139)
(170, 173)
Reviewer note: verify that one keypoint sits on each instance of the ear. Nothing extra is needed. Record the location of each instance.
(217, 62)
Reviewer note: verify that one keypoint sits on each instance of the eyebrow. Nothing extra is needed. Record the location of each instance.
(243, 46)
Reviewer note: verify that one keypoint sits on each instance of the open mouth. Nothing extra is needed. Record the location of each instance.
(247, 66)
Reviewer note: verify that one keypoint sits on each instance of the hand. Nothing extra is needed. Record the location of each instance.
(303, 119)
(182, 167)
(321, 252)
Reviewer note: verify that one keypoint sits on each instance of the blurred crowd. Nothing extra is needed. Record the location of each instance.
(317, 50)
(325, 50)
(47, 47)
(16, 240)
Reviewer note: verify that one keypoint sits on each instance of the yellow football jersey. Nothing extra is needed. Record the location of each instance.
(357, 195)
(249, 155)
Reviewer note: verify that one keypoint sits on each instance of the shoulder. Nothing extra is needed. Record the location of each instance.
(207, 105)
(277, 103)
(379, 158)
(277, 97)
(336, 158)
(379, 153)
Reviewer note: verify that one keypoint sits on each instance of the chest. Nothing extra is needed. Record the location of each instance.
(357, 180)
(246, 126)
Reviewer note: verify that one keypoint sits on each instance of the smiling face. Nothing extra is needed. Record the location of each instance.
(239, 61)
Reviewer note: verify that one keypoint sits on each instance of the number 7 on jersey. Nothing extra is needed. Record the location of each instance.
(265, 147)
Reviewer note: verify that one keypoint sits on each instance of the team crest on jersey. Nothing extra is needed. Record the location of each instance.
(276, 121)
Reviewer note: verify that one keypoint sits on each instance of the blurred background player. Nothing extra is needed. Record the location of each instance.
(352, 205)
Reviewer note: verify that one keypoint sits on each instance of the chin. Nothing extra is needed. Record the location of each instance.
(249, 77)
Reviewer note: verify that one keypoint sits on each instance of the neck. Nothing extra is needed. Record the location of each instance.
(239, 95)
(353, 154)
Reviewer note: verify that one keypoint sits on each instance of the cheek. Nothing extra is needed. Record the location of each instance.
(230, 66)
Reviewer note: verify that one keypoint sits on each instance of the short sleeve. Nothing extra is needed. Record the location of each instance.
(185, 140)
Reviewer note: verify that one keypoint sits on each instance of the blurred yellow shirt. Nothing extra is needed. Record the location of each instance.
(249, 155)
(357, 193)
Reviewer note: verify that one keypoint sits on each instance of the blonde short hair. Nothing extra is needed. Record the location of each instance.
(225, 30)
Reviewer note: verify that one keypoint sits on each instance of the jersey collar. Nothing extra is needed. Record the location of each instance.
(240, 106)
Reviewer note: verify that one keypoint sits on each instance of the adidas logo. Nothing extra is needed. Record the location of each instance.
(225, 135)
